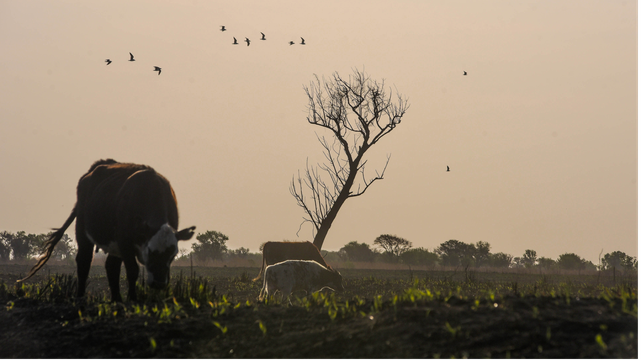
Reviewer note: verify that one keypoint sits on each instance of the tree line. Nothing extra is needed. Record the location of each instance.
(455, 253)
(22, 246)
(211, 246)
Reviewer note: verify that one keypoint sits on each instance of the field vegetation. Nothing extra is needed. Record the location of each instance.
(213, 312)
(458, 300)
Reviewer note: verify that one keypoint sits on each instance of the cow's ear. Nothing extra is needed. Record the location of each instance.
(185, 234)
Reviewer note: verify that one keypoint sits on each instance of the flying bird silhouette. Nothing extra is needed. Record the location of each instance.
(108, 61)
(156, 68)
(465, 73)
(235, 42)
(223, 28)
(131, 57)
(302, 41)
(447, 168)
(262, 36)
(291, 42)
(247, 41)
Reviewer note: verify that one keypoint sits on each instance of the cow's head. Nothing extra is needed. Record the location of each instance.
(158, 253)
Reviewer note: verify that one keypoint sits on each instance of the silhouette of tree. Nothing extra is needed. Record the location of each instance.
(64, 250)
(570, 261)
(419, 256)
(22, 244)
(5, 246)
(617, 260)
(358, 112)
(481, 255)
(546, 263)
(456, 253)
(529, 258)
(210, 246)
(392, 245)
(358, 252)
(500, 260)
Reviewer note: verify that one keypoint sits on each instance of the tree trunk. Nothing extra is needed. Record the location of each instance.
(319, 238)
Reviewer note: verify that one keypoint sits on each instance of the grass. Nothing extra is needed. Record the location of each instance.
(226, 299)
(235, 285)
(364, 296)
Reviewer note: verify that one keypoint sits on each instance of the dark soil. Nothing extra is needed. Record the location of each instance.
(510, 326)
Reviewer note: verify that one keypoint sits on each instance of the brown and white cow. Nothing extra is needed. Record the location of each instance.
(295, 275)
(129, 211)
(277, 251)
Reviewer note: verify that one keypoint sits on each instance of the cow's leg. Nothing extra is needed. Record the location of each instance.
(262, 292)
(84, 256)
(131, 267)
(112, 266)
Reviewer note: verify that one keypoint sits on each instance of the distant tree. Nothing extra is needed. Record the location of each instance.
(5, 246)
(618, 260)
(240, 252)
(333, 256)
(64, 250)
(22, 244)
(500, 260)
(358, 252)
(481, 255)
(529, 258)
(419, 256)
(518, 262)
(392, 245)
(546, 263)
(357, 112)
(210, 246)
(570, 261)
(456, 253)
(588, 265)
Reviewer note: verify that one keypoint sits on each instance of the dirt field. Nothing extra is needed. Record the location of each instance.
(382, 314)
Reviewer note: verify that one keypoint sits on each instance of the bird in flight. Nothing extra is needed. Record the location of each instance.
(447, 168)
(156, 68)
(291, 42)
(131, 57)
(247, 41)
(235, 42)
(223, 28)
(465, 73)
(108, 61)
(302, 41)
(262, 36)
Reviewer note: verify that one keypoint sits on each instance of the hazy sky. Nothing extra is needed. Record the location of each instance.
(541, 135)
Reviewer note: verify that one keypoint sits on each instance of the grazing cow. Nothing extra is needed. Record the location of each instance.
(294, 275)
(277, 251)
(129, 211)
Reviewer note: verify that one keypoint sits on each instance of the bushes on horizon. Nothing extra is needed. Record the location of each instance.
(500, 260)
(210, 246)
(419, 256)
(353, 251)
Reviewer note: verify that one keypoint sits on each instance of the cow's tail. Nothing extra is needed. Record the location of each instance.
(50, 244)
(262, 267)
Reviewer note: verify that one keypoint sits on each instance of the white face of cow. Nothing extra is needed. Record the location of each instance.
(157, 255)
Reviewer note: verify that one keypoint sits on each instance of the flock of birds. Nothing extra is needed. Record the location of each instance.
(156, 68)
(131, 58)
(262, 38)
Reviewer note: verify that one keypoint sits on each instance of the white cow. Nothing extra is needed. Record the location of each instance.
(294, 275)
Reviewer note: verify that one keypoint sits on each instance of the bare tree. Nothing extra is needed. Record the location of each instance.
(358, 112)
